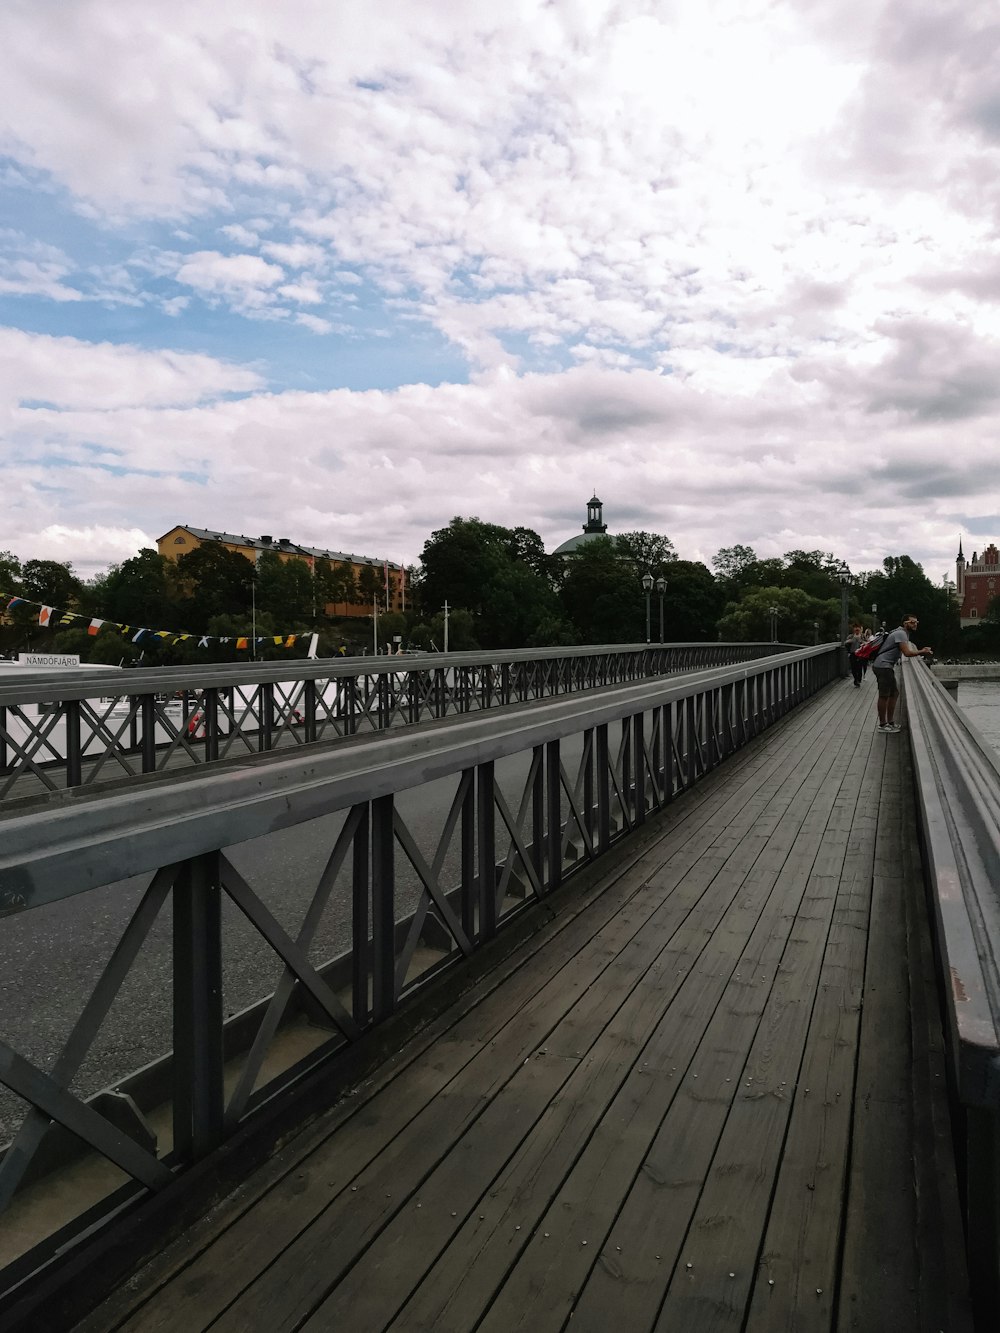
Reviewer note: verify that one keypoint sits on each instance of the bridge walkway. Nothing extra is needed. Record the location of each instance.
(709, 1093)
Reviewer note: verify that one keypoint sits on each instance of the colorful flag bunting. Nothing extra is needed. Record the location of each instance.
(50, 615)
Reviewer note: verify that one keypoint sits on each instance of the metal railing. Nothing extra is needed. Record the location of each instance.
(72, 729)
(525, 798)
(957, 778)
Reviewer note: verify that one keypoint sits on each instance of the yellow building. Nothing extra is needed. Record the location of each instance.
(182, 539)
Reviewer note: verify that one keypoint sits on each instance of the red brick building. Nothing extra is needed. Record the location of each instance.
(977, 583)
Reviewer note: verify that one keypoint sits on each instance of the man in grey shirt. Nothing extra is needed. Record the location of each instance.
(895, 645)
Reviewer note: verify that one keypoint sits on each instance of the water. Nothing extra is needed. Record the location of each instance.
(980, 701)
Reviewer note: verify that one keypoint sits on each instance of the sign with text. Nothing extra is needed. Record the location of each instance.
(49, 659)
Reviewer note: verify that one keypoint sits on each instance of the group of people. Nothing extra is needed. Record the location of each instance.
(891, 648)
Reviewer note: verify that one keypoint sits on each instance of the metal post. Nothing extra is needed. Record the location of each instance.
(661, 588)
(198, 1055)
(647, 587)
(383, 908)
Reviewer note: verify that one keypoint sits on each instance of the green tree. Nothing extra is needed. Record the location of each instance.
(647, 552)
(499, 575)
(136, 592)
(692, 602)
(285, 590)
(601, 595)
(50, 582)
(750, 618)
(213, 581)
(901, 587)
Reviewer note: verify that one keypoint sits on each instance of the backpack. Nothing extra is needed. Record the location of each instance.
(871, 646)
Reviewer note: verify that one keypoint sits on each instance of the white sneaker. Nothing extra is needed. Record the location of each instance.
(892, 726)
(884, 728)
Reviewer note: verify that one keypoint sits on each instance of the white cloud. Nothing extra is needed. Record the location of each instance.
(763, 234)
(242, 279)
(70, 375)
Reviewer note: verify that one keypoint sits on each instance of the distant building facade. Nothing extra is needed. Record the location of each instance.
(595, 526)
(977, 583)
(182, 539)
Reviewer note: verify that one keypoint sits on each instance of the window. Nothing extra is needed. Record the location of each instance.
(180, 541)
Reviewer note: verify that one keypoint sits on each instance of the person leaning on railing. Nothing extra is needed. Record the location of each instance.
(895, 645)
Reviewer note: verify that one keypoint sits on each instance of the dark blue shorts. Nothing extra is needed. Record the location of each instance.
(886, 679)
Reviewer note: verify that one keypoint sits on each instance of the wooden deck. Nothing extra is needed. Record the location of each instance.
(709, 1095)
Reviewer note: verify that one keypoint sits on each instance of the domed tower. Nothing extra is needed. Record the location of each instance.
(594, 524)
(594, 527)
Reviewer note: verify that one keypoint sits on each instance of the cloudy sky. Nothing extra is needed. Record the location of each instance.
(340, 272)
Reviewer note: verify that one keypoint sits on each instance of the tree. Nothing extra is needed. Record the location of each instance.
(10, 574)
(285, 590)
(335, 584)
(213, 581)
(819, 573)
(602, 596)
(499, 575)
(136, 592)
(647, 552)
(902, 587)
(732, 563)
(750, 618)
(692, 602)
(50, 582)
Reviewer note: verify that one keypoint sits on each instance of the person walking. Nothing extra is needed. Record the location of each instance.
(852, 643)
(894, 646)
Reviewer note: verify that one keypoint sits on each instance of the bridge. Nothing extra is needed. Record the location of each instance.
(670, 1002)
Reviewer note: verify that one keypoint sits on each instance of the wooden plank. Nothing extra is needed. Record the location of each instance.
(795, 1284)
(878, 1285)
(542, 1288)
(715, 1224)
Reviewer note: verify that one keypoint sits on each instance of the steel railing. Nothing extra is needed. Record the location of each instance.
(71, 729)
(957, 781)
(526, 798)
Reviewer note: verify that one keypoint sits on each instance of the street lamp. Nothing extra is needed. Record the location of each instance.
(647, 587)
(774, 612)
(661, 588)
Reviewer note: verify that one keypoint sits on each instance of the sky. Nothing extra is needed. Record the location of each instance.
(341, 272)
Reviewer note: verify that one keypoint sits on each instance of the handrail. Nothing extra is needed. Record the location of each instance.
(80, 728)
(958, 794)
(212, 675)
(957, 779)
(61, 847)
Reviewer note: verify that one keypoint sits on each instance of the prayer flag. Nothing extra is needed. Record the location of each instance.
(15, 601)
(241, 642)
(94, 626)
(203, 641)
(45, 615)
(290, 640)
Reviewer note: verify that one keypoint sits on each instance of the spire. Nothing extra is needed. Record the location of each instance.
(960, 558)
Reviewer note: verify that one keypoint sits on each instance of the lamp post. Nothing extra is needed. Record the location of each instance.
(774, 612)
(661, 588)
(815, 631)
(647, 587)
